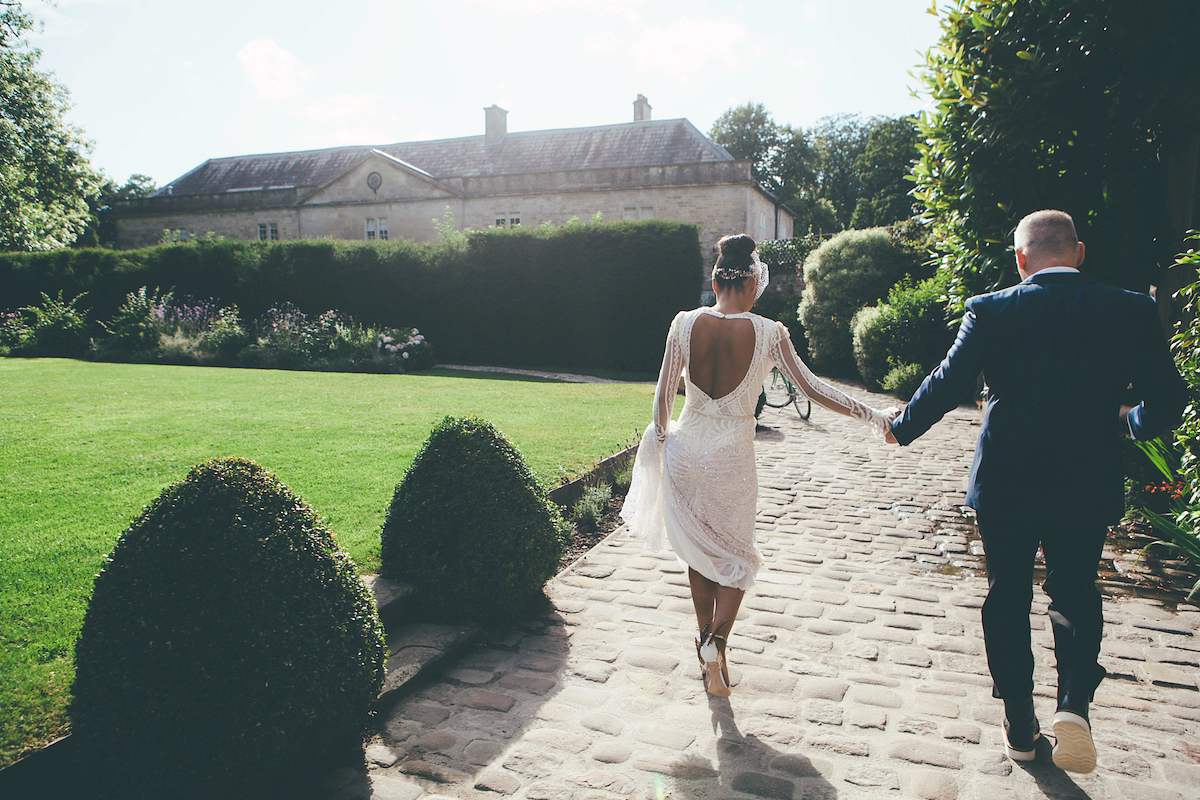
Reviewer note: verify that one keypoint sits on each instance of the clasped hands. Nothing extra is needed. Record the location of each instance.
(890, 414)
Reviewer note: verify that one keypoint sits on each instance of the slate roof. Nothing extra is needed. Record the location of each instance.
(649, 143)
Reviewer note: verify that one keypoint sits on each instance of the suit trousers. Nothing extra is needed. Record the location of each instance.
(1072, 554)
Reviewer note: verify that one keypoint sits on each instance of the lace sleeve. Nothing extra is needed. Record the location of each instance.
(783, 353)
(668, 380)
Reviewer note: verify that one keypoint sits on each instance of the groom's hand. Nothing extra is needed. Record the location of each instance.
(1125, 429)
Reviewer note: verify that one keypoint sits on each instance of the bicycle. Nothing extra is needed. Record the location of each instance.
(781, 392)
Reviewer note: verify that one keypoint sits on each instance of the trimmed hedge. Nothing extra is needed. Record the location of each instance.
(912, 328)
(228, 646)
(470, 528)
(585, 295)
(850, 271)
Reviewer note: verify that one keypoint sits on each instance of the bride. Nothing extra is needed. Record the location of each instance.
(694, 480)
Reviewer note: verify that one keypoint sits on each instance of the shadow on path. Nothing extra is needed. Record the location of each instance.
(746, 763)
(1051, 780)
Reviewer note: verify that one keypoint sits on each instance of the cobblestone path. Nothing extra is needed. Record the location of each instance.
(857, 661)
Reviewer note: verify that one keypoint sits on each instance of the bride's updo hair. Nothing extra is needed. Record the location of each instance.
(735, 260)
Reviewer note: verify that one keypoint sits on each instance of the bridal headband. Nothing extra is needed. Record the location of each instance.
(757, 267)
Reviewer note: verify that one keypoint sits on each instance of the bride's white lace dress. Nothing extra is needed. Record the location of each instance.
(694, 480)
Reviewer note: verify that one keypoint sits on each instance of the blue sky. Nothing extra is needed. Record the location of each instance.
(161, 85)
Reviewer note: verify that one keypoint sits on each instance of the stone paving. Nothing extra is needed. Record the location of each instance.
(857, 662)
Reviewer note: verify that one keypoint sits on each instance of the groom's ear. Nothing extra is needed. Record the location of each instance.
(1022, 262)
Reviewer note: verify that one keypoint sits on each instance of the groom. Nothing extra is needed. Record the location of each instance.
(1058, 351)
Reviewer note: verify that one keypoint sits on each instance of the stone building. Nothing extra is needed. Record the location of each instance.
(663, 169)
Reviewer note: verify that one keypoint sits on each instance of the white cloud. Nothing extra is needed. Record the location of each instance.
(276, 73)
(605, 42)
(356, 137)
(352, 119)
(683, 48)
(344, 108)
(604, 6)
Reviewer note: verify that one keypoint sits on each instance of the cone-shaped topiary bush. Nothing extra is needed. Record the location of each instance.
(228, 645)
(470, 528)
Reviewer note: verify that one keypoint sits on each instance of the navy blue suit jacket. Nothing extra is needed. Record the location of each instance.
(1058, 352)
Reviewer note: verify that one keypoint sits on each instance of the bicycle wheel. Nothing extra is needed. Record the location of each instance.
(807, 412)
(778, 391)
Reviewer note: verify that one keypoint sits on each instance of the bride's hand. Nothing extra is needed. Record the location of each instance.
(890, 414)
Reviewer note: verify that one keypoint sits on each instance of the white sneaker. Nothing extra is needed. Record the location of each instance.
(1074, 750)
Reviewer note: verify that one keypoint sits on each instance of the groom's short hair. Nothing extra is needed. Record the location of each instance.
(1046, 233)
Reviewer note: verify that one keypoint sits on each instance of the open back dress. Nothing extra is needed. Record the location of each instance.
(694, 480)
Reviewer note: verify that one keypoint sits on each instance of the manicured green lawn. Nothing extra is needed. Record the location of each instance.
(83, 447)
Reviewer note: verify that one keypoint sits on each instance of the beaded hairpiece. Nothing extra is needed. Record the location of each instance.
(756, 268)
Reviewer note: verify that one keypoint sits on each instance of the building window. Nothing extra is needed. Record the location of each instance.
(634, 213)
(268, 231)
(262, 231)
(370, 228)
(630, 213)
(383, 228)
(274, 231)
(647, 212)
(507, 219)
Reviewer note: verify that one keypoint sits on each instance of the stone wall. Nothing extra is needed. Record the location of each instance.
(147, 230)
(720, 198)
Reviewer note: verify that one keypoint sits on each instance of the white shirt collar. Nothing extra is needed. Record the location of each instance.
(1052, 271)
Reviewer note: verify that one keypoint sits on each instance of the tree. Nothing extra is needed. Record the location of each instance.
(794, 171)
(823, 174)
(1064, 104)
(102, 228)
(838, 141)
(882, 169)
(46, 181)
(748, 132)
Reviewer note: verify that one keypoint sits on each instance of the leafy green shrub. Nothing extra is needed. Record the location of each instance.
(469, 527)
(14, 331)
(852, 270)
(591, 506)
(1176, 458)
(56, 329)
(192, 331)
(228, 644)
(783, 306)
(290, 339)
(786, 256)
(225, 337)
(623, 477)
(872, 339)
(281, 338)
(912, 327)
(904, 379)
(134, 331)
(403, 350)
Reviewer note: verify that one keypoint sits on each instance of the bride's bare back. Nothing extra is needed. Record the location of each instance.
(721, 352)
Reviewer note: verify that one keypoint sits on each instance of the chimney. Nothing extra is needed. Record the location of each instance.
(641, 109)
(496, 123)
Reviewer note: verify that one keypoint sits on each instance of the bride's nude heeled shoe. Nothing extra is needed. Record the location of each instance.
(700, 643)
(715, 682)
